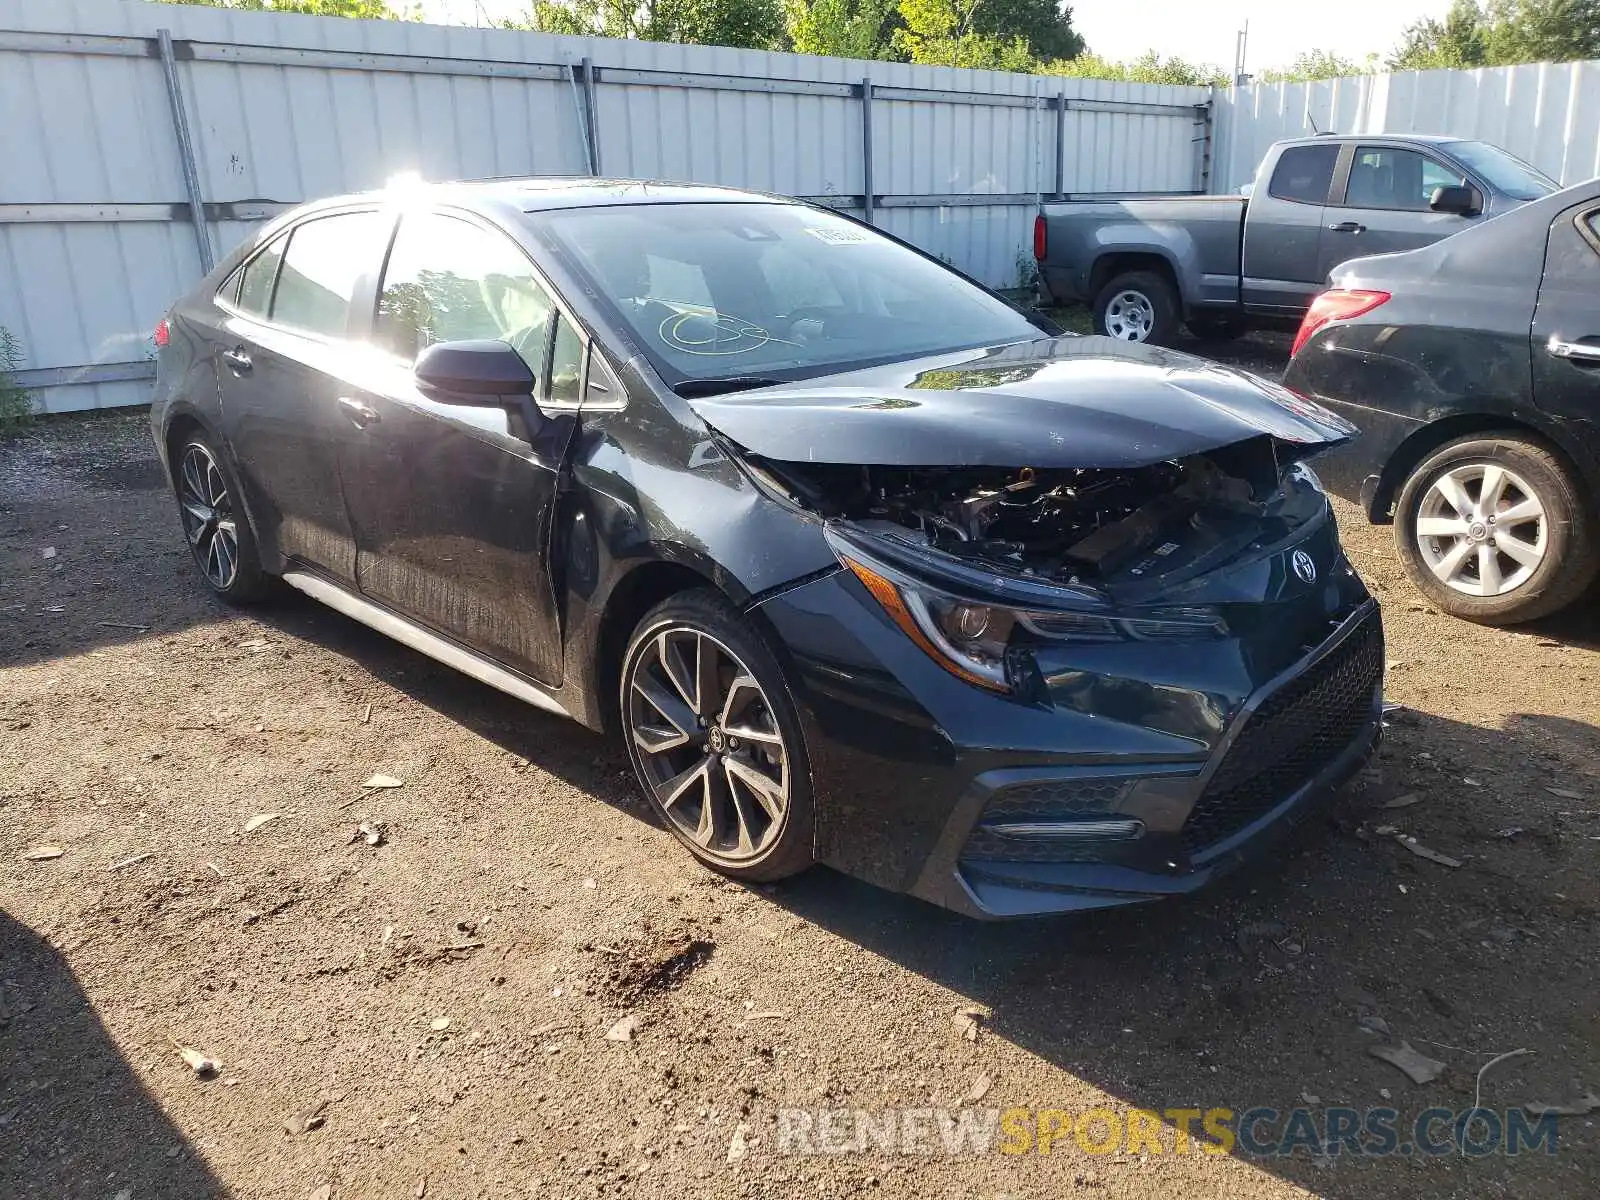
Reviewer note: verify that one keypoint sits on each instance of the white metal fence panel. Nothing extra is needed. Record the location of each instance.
(1546, 113)
(96, 234)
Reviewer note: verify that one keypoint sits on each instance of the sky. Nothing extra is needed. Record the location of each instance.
(1197, 30)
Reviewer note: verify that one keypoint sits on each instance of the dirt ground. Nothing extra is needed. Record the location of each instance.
(429, 1016)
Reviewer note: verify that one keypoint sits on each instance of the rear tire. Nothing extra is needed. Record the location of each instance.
(715, 739)
(1137, 306)
(1454, 536)
(214, 522)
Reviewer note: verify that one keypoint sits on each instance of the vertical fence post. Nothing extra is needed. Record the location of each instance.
(591, 116)
(1206, 114)
(1060, 105)
(191, 170)
(866, 150)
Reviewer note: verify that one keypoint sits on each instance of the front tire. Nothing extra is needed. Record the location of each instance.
(214, 523)
(715, 739)
(1495, 530)
(1137, 306)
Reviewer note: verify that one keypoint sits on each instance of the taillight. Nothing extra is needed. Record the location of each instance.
(1041, 240)
(1336, 305)
(163, 334)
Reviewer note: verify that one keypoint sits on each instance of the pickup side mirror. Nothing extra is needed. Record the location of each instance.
(1457, 198)
(486, 373)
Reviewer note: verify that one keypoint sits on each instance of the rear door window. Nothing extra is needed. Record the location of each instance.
(1304, 173)
(258, 278)
(325, 260)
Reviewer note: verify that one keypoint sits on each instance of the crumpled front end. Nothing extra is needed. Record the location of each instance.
(1035, 691)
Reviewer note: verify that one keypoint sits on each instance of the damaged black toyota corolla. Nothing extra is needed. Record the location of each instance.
(868, 568)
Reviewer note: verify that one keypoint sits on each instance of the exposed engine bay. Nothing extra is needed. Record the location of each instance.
(1084, 525)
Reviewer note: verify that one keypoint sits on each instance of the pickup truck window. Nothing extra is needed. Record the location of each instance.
(1400, 180)
(1304, 173)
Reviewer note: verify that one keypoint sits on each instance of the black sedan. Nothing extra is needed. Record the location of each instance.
(866, 567)
(1472, 368)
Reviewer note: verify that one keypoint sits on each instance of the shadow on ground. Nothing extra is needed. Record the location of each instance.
(1250, 996)
(74, 1119)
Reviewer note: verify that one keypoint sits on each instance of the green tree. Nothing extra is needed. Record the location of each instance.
(1455, 42)
(1319, 64)
(843, 28)
(373, 10)
(1151, 68)
(751, 24)
(1502, 33)
(1045, 25)
(942, 33)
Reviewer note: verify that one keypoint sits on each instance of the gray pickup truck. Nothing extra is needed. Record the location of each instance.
(1224, 264)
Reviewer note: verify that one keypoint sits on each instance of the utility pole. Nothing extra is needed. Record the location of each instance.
(1241, 47)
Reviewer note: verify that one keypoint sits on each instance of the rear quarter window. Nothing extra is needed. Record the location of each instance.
(256, 279)
(1304, 174)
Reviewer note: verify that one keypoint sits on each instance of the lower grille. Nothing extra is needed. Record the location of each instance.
(1292, 737)
(1054, 800)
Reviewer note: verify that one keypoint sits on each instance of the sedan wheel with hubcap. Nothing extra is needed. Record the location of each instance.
(713, 734)
(1496, 528)
(1482, 529)
(208, 517)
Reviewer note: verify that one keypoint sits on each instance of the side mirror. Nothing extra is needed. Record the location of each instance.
(1458, 199)
(487, 373)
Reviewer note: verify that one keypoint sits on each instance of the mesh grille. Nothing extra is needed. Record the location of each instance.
(1057, 800)
(1291, 738)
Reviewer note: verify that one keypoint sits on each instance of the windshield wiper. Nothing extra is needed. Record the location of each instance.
(690, 388)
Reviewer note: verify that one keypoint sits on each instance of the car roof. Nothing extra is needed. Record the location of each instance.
(1424, 139)
(551, 192)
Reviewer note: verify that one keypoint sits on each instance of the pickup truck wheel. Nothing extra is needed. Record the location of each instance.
(1137, 307)
(1495, 530)
(1217, 329)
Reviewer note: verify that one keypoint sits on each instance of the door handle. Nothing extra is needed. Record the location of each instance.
(1577, 352)
(362, 414)
(238, 361)
(1348, 227)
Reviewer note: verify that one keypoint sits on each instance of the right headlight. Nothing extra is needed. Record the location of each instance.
(976, 641)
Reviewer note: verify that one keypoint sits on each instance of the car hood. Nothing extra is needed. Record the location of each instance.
(1058, 402)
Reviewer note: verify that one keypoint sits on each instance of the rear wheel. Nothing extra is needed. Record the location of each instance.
(219, 536)
(1495, 530)
(715, 739)
(1138, 306)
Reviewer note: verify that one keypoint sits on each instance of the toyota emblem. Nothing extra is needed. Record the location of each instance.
(1304, 566)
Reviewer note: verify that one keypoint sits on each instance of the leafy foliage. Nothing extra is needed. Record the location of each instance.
(16, 407)
(843, 28)
(1319, 64)
(1502, 33)
(372, 10)
(752, 24)
(1152, 68)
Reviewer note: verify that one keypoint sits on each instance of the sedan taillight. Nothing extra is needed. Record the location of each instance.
(163, 333)
(1337, 305)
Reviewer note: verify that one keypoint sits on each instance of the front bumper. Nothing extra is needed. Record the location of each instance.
(1162, 779)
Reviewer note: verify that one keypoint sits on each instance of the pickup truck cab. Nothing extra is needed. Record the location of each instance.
(1224, 264)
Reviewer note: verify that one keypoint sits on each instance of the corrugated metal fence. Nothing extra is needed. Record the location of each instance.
(1546, 113)
(123, 119)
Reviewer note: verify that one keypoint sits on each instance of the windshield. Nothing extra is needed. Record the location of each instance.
(1504, 172)
(779, 291)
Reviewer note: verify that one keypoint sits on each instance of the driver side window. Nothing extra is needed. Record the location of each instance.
(449, 280)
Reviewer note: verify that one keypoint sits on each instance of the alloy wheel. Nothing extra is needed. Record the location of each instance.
(1482, 529)
(708, 744)
(1130, 316)
(208, 517)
